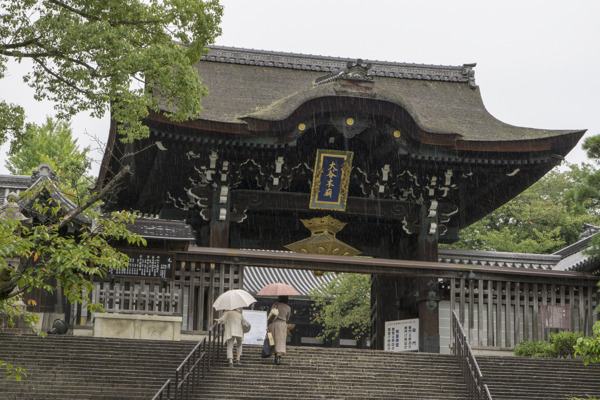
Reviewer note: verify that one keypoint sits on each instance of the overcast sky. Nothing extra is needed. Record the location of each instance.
(538, 62)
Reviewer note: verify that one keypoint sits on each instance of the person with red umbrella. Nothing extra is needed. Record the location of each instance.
(279, 315)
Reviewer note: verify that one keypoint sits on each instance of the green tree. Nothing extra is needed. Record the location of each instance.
(52, 143)
(541, 220)
(342, 303)
(129, 57)
(89, 55)
(589, 347)
(588, 194)
(56, 249)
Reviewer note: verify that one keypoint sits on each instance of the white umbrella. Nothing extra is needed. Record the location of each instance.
(232, 299)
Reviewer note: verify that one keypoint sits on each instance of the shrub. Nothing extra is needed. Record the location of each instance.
(564, 343)
(589, 347)
(534, 348)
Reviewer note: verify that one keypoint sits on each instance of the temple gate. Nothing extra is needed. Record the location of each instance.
(422, 159)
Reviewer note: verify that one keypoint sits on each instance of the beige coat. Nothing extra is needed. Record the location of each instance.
(233, 324)
(279, 327)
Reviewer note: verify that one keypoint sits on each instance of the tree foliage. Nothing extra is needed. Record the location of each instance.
(342, 303)
(89, 55)
(62, 247)
(589, 347)
(12, 372)
(541, 220)
(588, 194)
(52, 143)
(59, 251)
(130, 57)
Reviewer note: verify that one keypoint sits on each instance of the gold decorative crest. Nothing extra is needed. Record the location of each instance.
(322, 239)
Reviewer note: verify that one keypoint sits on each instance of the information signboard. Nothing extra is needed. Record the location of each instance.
(146, 265)
(554, 316)
(402, 335)
(258, 321)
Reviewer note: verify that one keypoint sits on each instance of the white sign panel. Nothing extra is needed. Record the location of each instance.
(402, 335)
(258, 320)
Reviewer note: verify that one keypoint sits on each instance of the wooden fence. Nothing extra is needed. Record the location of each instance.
(499, 312)
(497, 306)
(190, 294)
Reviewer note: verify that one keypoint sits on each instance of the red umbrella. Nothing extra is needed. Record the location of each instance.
(278, 289)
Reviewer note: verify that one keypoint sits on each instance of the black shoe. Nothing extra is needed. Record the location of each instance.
(277, 360)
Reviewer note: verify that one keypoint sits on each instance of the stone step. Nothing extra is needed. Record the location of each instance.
(66, 367)
(319, 374)
(525, 378)
(63, 367)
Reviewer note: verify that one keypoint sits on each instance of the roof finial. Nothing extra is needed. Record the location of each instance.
(357, 71)
(354, 71)
(467, 70)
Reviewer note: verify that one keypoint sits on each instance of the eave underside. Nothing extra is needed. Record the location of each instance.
(163, 180)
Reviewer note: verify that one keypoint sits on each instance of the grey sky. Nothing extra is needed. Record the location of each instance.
(538, 62)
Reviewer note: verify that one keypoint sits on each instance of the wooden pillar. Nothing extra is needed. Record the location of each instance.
(393, 298)
(490, 313)
(219, 224)
(383, 288)
(427, 250)
(219, 234)
(517, 316)
(480, 296)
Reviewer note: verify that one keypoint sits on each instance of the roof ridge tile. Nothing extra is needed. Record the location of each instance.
(235, 55)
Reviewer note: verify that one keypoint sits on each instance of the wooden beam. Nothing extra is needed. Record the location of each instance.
(376, 266)
(288, 201)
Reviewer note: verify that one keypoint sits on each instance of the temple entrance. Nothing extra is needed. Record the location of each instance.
(404, 155)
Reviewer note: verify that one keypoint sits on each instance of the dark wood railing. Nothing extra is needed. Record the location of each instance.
(194, 367)
(467, 362)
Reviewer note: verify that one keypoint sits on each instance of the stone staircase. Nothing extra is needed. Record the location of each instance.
(310, 373)
(69, 367)
(524, 378)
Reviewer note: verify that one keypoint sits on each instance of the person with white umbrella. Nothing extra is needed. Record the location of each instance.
(235, 325)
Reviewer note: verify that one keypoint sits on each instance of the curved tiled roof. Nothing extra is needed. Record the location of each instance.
(33, 183)
(498, 259)
(436, 107)
(12, 183)
(573, 256)
(269, 86)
